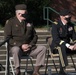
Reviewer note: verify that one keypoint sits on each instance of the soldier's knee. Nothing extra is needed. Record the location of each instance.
(15, 49)
(44, 48)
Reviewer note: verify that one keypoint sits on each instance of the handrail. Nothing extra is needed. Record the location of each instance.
(7, 40)
(47, 17)
(58, 14)
(53, 10)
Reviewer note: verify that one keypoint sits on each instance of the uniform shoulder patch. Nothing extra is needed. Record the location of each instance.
(28, 25)
(9, 20)
(6, 21)
(55, 23)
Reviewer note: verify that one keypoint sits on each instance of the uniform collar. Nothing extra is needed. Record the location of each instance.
(17, 21)
(61, 23)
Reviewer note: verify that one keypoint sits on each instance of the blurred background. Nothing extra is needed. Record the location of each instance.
(35, 9)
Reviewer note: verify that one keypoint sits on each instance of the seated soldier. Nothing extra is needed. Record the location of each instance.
(24, 39)
(63, 32)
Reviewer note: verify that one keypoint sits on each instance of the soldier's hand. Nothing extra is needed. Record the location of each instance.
(74, 46)
(71, 47)
(25, 47)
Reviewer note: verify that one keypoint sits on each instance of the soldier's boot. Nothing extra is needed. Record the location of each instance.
(36, 70)
(18, 71)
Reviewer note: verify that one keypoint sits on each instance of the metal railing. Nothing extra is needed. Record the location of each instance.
(2, 43)
(46, 11)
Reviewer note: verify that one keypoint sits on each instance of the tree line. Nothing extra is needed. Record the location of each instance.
(34, 7)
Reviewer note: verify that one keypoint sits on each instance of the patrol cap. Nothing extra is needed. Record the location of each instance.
(21, 7)
(64, 12)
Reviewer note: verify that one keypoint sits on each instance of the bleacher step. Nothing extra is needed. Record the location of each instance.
(42, 34)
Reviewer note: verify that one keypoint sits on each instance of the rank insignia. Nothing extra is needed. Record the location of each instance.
(28, 25)
(16, 25)
(60, 30)
(70, 28)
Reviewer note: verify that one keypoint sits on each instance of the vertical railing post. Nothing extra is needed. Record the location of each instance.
(47, 18)
(44, 13)
(8, 58)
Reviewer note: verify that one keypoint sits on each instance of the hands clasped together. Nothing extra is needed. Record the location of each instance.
(26, 47)
(72, 47)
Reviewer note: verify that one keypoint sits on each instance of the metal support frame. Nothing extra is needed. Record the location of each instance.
(7, 40)
(7, 58)
(2, 67)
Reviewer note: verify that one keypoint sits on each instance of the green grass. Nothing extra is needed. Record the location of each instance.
(1, 27)
(41, 27)
(75, 28)
(37, 27)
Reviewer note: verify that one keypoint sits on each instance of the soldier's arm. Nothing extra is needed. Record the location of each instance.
(56, 37)
(74, 36)
(35, 37)
(7, 29)
(55, 34)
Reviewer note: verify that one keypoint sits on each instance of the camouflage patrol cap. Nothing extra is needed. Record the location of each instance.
(21, 7)
(65, 12)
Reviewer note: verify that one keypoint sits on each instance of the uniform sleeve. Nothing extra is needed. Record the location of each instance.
(35, 37)
(55, 35)
(7, 29)
(74, 36)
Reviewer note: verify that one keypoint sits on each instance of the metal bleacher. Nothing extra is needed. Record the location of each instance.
(42, 34)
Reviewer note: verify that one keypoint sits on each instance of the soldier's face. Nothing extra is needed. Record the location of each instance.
(66, 18)
(22, 15)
